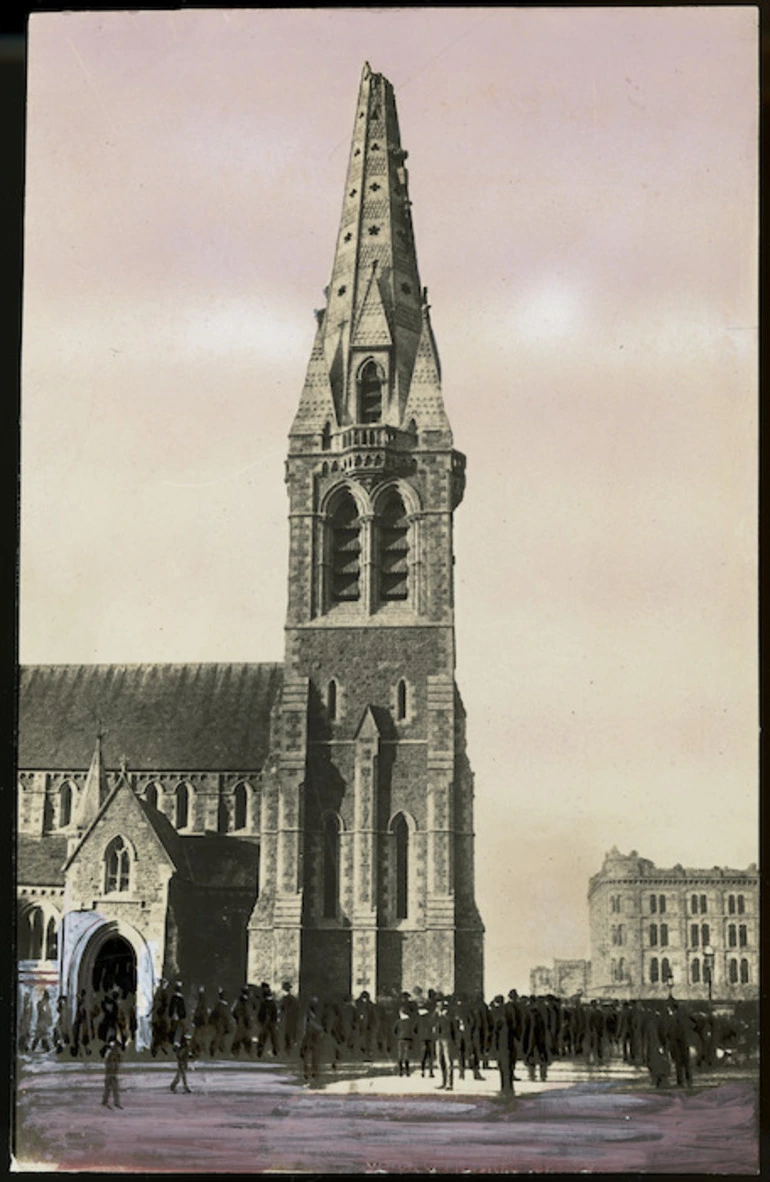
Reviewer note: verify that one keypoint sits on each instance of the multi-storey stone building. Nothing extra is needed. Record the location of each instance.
(566, 978)
(311, 821)
(695, 932)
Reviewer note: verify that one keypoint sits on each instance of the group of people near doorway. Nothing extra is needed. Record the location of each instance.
(441, 1035)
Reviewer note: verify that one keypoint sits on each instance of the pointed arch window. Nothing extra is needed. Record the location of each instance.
(370, 393)
(345, 550)
(331, 700)
(240, 800)
(331, 865)
(36, 931)
(117, 866)
(393, 547)
(65, 804)
(151, 795)
(182, 806)
(51, 940)
(401, 835)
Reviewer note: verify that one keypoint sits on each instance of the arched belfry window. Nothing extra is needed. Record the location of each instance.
(331, 865)
(65, 804)
(117, 865)
(393, 547)
(401, 835)
(240, 806)
(182, 806)
(370, 393)
(345, 550)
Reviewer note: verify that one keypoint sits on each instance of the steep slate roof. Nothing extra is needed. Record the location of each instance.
(176, 717)
(218, 860)
(40, 860)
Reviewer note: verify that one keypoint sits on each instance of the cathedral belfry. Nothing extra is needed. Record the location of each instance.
(366, 875)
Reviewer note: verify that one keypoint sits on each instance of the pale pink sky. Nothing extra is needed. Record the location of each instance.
(584, 201)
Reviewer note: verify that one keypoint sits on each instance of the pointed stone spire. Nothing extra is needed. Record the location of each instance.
(374, 298)
(95, 789)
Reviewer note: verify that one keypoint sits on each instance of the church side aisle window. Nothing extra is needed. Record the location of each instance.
(65, 805)
(346, 551)
(182, 806)
(240, 801)
(117, 866)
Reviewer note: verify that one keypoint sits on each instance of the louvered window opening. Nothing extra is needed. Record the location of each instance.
(394, 552)
(346, 553)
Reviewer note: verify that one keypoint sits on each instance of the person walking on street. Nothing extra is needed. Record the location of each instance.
(111, 1070)
(445, 1045)
(182, 1051)
(43, 1024)
(61, 1030)
(177, 1013)
(404, 1031)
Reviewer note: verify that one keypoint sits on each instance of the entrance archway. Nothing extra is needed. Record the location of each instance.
(114, 965)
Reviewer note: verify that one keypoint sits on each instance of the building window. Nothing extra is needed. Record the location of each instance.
(705, 934)
(703, 904)
(742, 935)
(694, 904)
(331, 864)
(370, 389)
(51, 940)
(616, 933)
(401, 700)
(654, 971)
(653, 903)
(117, 864)
(240, 800)
(65, 805)
(223, 816)
(741, 906)
(694, 935)
(731, 905)
(393, 537)
(616, 903)
(346, 551)
(401, 833)
(621, 968)
(34, 932)
(662, 904)
(664, 935)
(182, 806)
(733, 971)
(331, 700)
(665, 970)
(151, 795)
(695, 971)
(732, 936)
(744, 972)
(653, 934)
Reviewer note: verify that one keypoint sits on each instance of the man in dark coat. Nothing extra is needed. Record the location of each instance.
(310, 1046)
(81, 1027)
(243, 1023)
(268, 1021)
(677, 1031)
(200, 1021)
(502, 1041)
(289, 1018)
(425, 1036)
(61, 1030)
(159, 1019)
(535, 1039)
(220, 1024)
(43, 1023)
(177, 1013)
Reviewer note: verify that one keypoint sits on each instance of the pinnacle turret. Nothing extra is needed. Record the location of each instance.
(376, 317)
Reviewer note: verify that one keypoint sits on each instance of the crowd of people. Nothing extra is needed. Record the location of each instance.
(439, 1036)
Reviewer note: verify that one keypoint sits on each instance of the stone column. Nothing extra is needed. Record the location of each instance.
(364, 917)
(289, 872)
(440, 896)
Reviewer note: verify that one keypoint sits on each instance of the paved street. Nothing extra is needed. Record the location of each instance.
(254, 1117)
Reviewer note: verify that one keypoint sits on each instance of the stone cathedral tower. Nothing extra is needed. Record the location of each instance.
(366, 867)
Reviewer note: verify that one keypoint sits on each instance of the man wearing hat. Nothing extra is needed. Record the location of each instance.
(445, 1044)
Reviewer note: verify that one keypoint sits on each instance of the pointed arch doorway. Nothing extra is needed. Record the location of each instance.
(113, 953)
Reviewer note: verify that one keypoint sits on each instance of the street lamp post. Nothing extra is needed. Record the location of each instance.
(708, 965)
